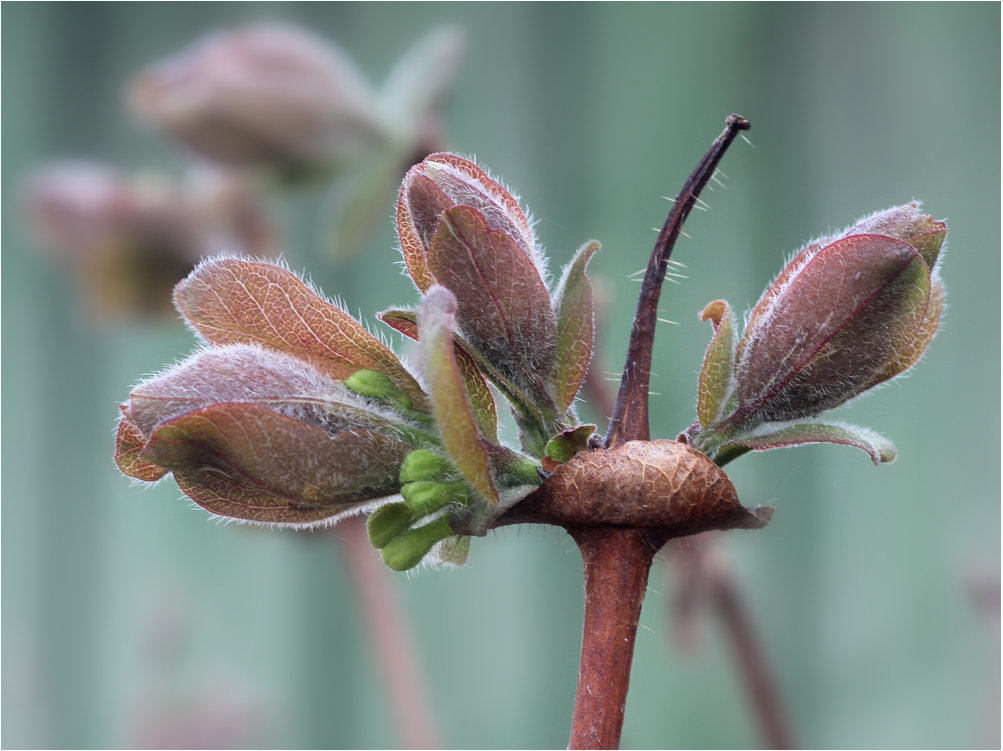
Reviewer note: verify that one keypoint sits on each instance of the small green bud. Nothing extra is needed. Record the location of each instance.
(379, 386)
(406, 550)
(387, 522)
(425, 496)
(423, 464)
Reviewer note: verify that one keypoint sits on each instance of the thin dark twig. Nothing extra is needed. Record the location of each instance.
(630, 417)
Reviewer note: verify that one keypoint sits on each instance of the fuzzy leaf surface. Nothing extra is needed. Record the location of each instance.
(879, 448)
(482, 401)
(234, 301)
(450, 406)
(574, 307)
(717, 371)
(835, 323)
(246, 461)
(503, 306)
(245, 373)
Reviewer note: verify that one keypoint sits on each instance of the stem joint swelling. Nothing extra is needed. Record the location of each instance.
(617, 558)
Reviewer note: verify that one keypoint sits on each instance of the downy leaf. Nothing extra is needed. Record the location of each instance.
(479, 396)
(575, 326)
(245, 373)
(450, 406)
(246, 461)
(793, 365)
(717, 372)
(229, 301)
(503, 307)
(879, 448)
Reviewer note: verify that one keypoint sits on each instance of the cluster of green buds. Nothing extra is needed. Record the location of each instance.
(292, 413)
(846, 314)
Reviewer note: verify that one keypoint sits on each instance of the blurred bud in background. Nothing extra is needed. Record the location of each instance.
(262, 95)
(127, 240)
(290, 107)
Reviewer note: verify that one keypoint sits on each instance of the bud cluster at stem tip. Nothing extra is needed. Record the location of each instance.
(846, 314)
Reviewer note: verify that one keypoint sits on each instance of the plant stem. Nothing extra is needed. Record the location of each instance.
(630, 417)
(617, 560)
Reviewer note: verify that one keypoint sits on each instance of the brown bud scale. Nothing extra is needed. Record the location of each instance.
(646, 484)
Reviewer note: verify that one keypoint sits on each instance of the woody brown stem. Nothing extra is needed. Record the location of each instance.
(630, 417)
(617, 560)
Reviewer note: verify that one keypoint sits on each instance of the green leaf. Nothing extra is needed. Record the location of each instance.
(228, 300)
(245, 461)
(450, 405)
(503, 307)
(717, 373)
(575, 326)
(879, 448)
(452, 550)
(482, 401)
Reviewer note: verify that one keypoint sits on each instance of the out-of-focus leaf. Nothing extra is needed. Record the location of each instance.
(246, 461)
(503, 307)
(482, 401)
(716, 374)
(229, 300)
(452, 411)
(879, 448)
(452, 550)
(575, 326)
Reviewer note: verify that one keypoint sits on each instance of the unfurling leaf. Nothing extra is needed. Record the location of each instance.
(232, 301)
(832, 328)
(482, 402)
(503, 306)
(717, 372)
(449, 399)
(575, 326)
(246, 461)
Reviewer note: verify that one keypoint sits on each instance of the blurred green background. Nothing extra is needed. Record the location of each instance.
(121, 602)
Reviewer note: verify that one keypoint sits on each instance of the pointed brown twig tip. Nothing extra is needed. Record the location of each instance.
(762, 514)
(737, 122)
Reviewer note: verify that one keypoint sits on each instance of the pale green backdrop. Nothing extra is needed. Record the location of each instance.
(116, 598)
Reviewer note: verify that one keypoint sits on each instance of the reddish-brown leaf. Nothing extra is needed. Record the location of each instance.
(230, 300)
(503, 306)
(247, 461)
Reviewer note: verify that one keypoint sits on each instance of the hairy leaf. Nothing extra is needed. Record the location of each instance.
(503, 307)
(129, 442)
(575, 326)
(717, 372)
(450, 406)
(246, 461)
(245, 373)
(230, 300)
(797, 362)
(482, 401)
(879, 448)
